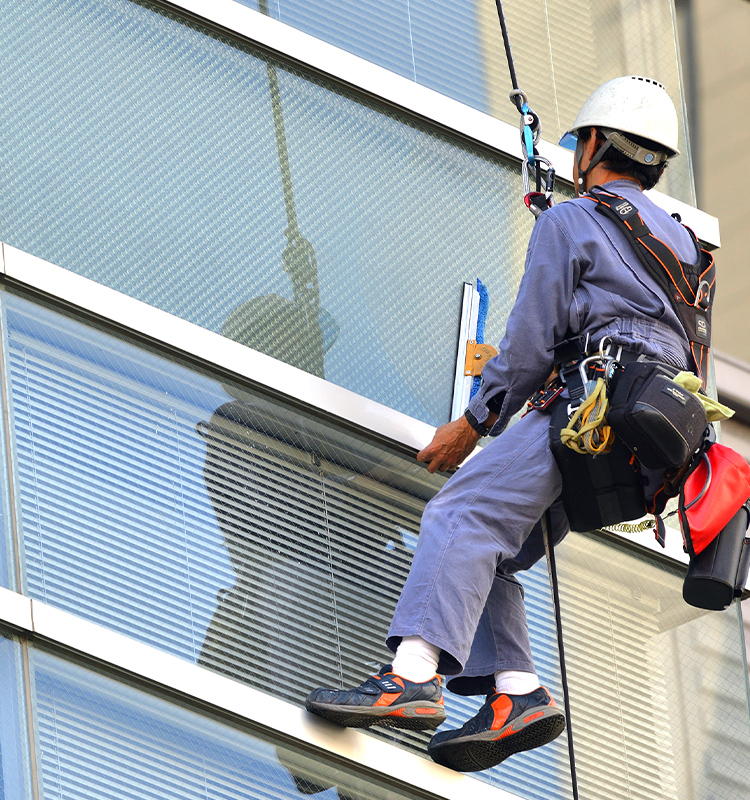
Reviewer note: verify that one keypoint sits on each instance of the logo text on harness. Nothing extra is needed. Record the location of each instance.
(624, 209)
(701, 326)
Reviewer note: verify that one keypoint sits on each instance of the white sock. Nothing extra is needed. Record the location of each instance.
(511, 681)
(416, 659)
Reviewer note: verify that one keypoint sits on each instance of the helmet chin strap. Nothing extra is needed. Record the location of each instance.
(582, 173)
(619, 141)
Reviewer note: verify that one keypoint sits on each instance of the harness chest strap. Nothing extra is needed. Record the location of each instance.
(689, 293)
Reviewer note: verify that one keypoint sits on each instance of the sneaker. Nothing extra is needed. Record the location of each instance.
(504, 725)
(383, 699)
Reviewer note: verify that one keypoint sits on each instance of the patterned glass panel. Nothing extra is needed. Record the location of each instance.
(188, 171)
(658, 688)
(101, 739)
(15, 772)
(563, 50)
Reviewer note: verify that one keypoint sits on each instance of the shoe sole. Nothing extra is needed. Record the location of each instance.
(481, 751)
(414, 716)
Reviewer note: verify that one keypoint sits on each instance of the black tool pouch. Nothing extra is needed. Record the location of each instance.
(661, 422)
(718, 574)
(597, 490)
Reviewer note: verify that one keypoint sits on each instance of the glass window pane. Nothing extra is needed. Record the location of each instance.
(145, 154)
(100, 739)
(563, 50)
(8, 571)
(658, 688)
(15, 776)
(220, 525)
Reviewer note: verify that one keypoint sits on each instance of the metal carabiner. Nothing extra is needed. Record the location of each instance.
(606, 341)
(699, 296)
(603, 358)
(528, 194)
(531, 130)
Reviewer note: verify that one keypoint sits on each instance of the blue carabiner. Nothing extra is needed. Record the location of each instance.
(528, 136)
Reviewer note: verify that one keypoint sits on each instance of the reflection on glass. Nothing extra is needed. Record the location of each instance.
(317, 558)
(203, 179)
(101, 739)
(220, 525)
(289, 331)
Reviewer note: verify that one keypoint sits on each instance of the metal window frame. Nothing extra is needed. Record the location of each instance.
(119, 653)
(437, 109)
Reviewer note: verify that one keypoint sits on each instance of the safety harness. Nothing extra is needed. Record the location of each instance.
(689, 287)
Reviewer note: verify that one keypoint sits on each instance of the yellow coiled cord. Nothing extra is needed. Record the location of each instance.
(587, 432)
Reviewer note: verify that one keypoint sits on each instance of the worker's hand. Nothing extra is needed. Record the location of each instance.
(449, 446)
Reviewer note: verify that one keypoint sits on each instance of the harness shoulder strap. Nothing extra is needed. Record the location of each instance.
(688, 289)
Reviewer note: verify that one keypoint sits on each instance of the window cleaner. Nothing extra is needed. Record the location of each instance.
(461, 611)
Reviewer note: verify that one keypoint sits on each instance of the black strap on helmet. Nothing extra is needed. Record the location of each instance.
(647, 156)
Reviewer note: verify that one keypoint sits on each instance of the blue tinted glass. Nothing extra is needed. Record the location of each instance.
(436, 44)
(103, 740)
(7, 546)
(14, 737)
(456, 48)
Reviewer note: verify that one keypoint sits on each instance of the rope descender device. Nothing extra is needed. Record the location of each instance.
(541, 198)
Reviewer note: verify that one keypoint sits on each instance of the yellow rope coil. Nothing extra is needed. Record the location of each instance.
(587, 432)
(631, 527)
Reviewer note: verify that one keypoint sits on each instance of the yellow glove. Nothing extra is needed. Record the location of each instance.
(715, 411)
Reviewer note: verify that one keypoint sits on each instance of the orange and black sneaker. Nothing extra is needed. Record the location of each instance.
(505, 724)
(383, 699)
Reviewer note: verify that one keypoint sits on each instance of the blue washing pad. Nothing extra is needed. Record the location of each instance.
(484, 305)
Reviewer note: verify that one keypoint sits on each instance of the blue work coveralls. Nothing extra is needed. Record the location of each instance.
(582, 276)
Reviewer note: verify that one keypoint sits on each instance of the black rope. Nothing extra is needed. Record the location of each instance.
(530, 129)
(508, 53)
(549, 549)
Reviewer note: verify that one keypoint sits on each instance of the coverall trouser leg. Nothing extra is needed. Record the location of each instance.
(481, 528)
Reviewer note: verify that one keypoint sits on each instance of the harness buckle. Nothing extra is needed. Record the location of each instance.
(543, 398)
(703, 295)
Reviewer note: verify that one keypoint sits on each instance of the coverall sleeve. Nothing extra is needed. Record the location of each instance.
(538, 321)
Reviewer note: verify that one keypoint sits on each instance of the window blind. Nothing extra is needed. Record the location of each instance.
(229, 530)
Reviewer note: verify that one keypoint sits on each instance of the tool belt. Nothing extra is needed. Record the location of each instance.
(660, 425)
(597, 491)
(661, 422)
(654, 423)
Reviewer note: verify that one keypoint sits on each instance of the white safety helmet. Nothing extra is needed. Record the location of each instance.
(635, 105)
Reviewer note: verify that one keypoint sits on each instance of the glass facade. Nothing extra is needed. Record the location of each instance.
(15, 764)
(244, 535)
(102, 739)
(142, 152)
(254, 536)
(215, 523)
(562, 51)
(658, 687)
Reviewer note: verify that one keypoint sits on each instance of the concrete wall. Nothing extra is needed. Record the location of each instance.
(714, 36)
